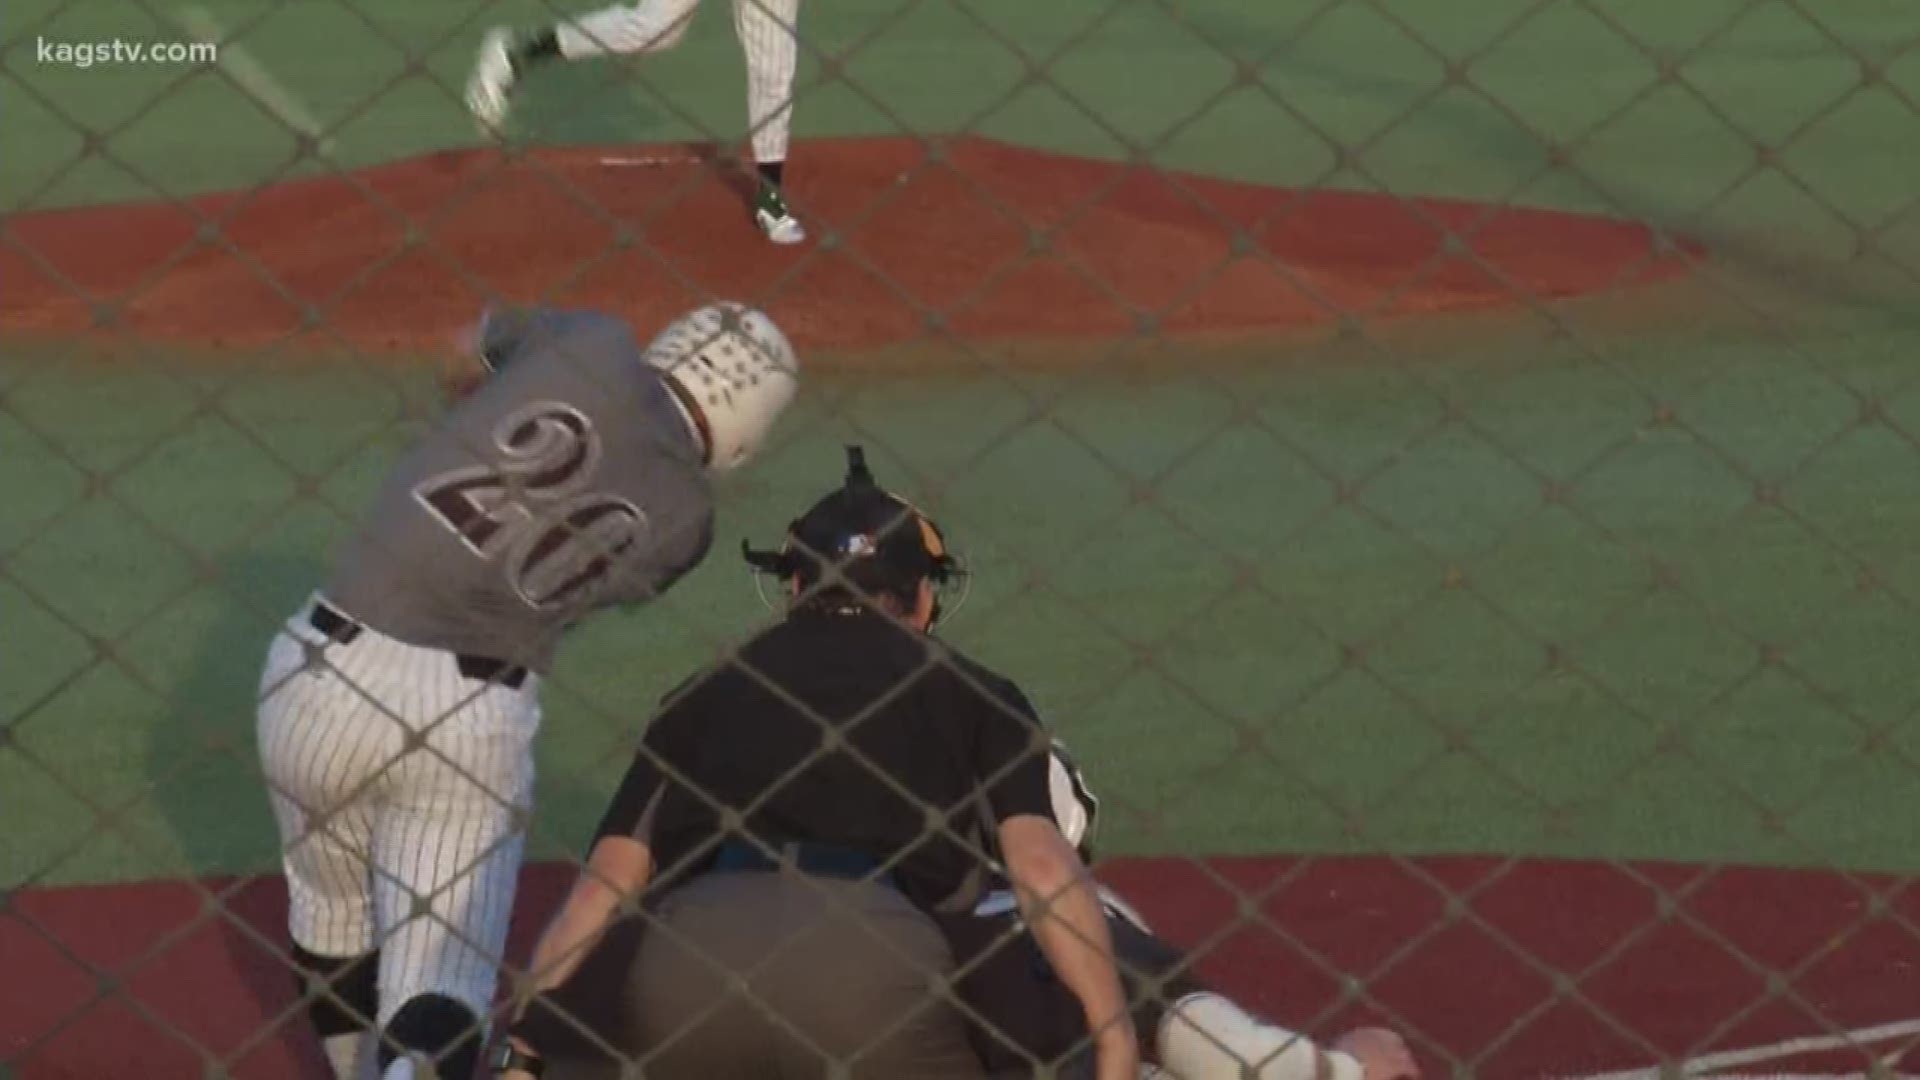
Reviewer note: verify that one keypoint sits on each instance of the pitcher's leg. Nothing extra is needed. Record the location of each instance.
(625, 29)
(768, 32)
(651, 25)
(622, 29)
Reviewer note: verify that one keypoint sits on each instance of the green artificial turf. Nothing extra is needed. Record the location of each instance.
(1627, 577)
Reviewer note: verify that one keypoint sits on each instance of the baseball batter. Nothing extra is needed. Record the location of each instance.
(766, 29)
(398, 707)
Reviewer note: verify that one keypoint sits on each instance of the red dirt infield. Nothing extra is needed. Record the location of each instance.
(981, 238)
(149, 981)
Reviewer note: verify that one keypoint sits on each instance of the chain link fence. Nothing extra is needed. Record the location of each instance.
(1448, 472)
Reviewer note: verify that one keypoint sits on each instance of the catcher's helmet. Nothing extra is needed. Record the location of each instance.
(863, 539)
(737, 370)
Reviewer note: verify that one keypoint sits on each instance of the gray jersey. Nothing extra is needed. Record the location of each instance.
(570, 481)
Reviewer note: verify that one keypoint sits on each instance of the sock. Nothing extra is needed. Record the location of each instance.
(341, 993)
(1207, 1037)
(772, 173)
(544, 45)
(348, 1053)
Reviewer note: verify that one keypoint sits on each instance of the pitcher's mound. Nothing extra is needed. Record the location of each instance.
(966, 237)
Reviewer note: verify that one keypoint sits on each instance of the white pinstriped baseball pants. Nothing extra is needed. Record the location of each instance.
(766, 28)
(401, 789)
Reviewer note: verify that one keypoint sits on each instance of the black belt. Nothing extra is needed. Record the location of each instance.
(338, 628)
(820, 860)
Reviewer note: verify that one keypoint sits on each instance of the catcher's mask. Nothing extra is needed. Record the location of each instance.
(864, 540)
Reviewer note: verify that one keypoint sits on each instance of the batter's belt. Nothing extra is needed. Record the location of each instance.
(337, 627)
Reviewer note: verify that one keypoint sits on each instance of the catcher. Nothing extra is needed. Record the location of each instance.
(1021, 1018)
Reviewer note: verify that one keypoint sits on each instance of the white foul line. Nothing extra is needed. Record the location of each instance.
(254, 78)
(1733, 1059)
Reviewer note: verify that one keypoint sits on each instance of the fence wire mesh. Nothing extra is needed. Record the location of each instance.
(1447, 471)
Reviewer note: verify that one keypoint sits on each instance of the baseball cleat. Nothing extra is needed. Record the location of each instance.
(491, 83)
(771, 214)
(411, 1067)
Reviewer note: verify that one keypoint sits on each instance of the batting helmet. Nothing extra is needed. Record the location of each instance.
(864, 539)
(736, 370)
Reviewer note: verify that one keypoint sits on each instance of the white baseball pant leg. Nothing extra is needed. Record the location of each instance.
(625, 29)
(401, 790)
(767, 30)
(769, 35)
